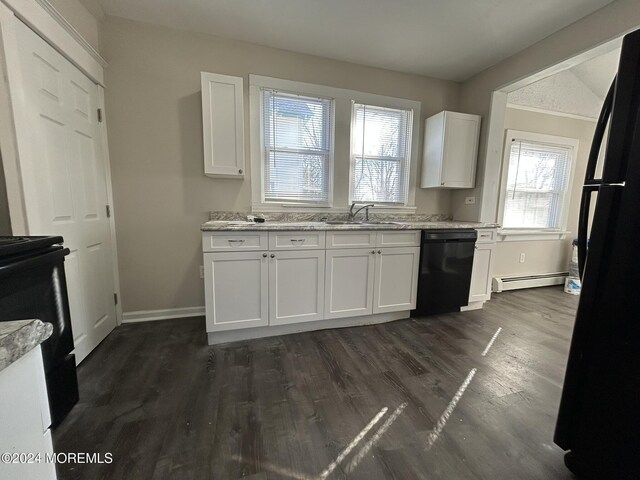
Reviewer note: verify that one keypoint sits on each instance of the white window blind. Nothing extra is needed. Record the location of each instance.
(380, 154)
(297, 139)
(537, 180)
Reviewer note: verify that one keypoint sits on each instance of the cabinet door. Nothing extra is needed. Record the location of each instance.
(396, 279)
(223, 125)
(480, 290)
(296, 286)
(236, 290)
(349, 282)
(460, 150)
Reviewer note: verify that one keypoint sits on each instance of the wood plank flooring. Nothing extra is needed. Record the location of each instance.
(168, 406)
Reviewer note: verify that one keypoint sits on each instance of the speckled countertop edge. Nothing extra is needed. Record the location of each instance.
(216, 225)
(19, 337)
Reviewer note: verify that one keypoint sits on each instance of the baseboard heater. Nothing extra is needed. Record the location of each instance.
(514, 282)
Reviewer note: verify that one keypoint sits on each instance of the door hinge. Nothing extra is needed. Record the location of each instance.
(115, 298)
(100, 115)
(108, 207)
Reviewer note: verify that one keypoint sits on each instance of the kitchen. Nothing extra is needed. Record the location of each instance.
(166, 227)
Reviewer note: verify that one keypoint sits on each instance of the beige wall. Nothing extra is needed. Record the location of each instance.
(154, 120)
(80, 18)
(611, 21)
(545, 256)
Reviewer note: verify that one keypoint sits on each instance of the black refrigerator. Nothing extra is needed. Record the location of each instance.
(599, 417)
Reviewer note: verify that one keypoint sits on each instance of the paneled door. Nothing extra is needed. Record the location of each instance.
(349, 282)
(236, 290)
(396, 279)
(64, 177)
(296, 286)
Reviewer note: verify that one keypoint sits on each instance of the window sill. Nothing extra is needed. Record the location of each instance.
(525, 235)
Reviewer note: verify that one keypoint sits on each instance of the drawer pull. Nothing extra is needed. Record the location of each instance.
(298, 241)
(236, 242)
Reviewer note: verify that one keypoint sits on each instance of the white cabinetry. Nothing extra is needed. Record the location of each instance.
(236, 290)
(450, 150)
(276, 279)
(223, 125)
(482, 270)
(24, 418)
(396, 277)
(296, 286)
(349, 282)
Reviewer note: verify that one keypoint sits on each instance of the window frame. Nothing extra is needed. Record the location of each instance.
(405, 179)
(330, 154)
(536, 233)
(340, 168)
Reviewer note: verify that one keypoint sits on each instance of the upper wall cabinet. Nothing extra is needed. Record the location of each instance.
(223, 125)
(450, 150)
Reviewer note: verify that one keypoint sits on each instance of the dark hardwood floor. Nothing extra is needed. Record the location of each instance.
(167, 406)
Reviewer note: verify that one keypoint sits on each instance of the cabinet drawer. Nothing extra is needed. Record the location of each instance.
(486, 236)
(398, 238)
(351, 239)
(296, 240)
(232, 241)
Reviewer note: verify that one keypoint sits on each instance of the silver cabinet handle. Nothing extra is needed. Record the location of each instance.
(240, 171)
(379, 252)
(236, 242)
(264, 255)
(298, 241)
(273, 255)
(373, 252)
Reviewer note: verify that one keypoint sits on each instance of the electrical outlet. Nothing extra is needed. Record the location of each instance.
(522, 257)
(201, 271)
(470, 200)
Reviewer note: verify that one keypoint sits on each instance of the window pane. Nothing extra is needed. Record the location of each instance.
(537, 177)
(380, 154)
(376, 181)
(296, 176)
(297, 134)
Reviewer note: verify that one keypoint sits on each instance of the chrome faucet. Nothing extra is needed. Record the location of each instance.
(352, 214)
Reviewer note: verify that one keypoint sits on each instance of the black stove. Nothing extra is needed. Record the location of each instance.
(33, 285)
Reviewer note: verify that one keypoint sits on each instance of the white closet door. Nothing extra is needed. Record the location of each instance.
(64, 179)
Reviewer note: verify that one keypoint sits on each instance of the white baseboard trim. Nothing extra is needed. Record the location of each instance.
(167, 314)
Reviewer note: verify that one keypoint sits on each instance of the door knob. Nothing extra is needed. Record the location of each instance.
(264, 255)
(273, 255)
(379, 252)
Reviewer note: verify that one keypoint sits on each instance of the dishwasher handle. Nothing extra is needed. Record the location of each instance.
(430, 236)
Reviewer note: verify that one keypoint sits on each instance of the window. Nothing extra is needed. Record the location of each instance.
(316, 148)
(297, 134)
(380, 154)
(538, 176)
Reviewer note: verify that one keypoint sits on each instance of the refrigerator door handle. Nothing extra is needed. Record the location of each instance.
(583, 225)
(598, 135)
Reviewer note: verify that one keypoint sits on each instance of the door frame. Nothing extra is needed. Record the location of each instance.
(46, 22)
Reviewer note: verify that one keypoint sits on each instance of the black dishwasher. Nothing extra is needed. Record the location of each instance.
(446, 259)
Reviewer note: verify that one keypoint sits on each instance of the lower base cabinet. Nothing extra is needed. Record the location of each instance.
(481, 273)
(236, 290)
(254, 281)
(396, 279)
(349, 282)
(296, 286)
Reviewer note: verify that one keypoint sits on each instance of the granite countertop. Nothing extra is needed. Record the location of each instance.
(237, 225)
(18, 337)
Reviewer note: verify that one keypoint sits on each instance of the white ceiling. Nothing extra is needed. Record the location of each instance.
(579, 90)
(449, 39)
